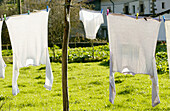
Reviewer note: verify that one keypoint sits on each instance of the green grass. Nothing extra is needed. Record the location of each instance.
(88, 85)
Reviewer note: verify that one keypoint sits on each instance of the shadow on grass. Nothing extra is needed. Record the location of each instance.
(95, 83)
(127, 91)
(25, 68)
(105, 63)
(118, 81)
(58, 94)
(9, 86)
(19, 85)
(22, 105)
(2, 98)
(39, 77)
(42, 68)
(2, 105)
(70, 78)
(40, 82)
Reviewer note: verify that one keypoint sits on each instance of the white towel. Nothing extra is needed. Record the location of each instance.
(28, 34)
(92, 21)
(2, 63)
(132, 49)
(167, 27)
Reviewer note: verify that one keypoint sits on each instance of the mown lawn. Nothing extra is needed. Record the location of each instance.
(88, 85)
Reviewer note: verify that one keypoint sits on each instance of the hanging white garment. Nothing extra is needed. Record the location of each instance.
(132, 49)
(162, 33)
(167, 27)
(92, 21)
(2, 63)
(28, 34)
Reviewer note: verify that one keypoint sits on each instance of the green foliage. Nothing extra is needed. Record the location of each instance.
(162, 62)
(162, 58)
(7, 52)
(161, 47)
(101, 53)
(83, 54)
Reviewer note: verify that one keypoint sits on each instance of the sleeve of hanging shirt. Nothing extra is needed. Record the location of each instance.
(2, 63)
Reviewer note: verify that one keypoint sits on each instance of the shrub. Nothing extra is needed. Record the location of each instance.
(101, 53)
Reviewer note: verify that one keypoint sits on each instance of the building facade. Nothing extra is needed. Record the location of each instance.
(131, 7)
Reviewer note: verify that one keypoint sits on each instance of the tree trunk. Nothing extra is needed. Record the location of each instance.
(19, 7)
(65, 55)
(93, 48)
(54, 54)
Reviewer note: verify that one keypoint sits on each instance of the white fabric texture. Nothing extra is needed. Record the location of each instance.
(132, 49)
(167, 27)
(162, 33)
(28, 34)
(2, 63)
(92, 21)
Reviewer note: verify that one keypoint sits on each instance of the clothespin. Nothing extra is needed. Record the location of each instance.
(102, 11)
(159, 18)
(28, 12)
(163, 18)
(107, 11)
(137, 15)
(4, 16)
(47, 8)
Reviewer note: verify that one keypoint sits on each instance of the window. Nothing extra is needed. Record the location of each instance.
(134, 9)
(141, 8)
(126, 10)
(163, 5)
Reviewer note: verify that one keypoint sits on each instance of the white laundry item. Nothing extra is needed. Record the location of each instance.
(162, 33)
(167, 27)
(28, 34)
(92, 21)
(132, 49)
(2, 63)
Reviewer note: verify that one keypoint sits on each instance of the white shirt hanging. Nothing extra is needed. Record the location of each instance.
(2, 63)
(132, 49)
(28, 34)
(92, 21)
(162, 33)
(167, 27)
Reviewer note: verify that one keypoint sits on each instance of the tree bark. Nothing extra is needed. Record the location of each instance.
(65, 55)
(54, 53)
(19, 7)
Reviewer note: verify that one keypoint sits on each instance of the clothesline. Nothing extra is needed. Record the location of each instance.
(128, 56)
(34, 11)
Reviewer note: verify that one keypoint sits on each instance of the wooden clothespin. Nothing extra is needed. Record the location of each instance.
(47, 8)
(4, 16)
(137, 15)
(159, 18)
(107, 11)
